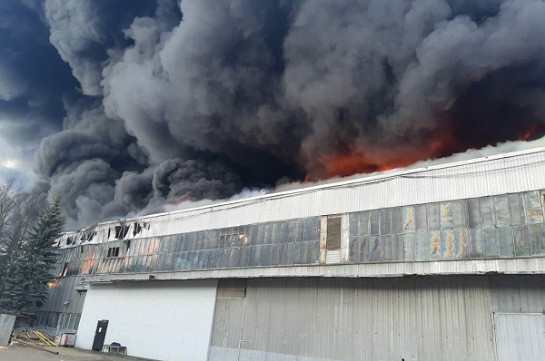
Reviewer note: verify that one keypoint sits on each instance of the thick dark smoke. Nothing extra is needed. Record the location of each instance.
(200, 99)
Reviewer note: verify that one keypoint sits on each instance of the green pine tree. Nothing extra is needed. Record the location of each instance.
(29, 269)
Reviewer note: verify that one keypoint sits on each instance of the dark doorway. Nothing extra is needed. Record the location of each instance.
(100, 335)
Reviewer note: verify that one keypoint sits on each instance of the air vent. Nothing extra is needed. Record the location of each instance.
(333, 241)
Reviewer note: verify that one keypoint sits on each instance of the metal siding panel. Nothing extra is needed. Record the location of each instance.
(424, 319)
(520, 337)
(6, 326)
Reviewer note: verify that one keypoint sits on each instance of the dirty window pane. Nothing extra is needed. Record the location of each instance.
(269, 228)
(223, 258)
(272, 255)
(397, 220)
(459, 213)
(312, 229)
(235, 256)
(293, 252)
(386, 221)
(252, 234)
(487, 212)
(433, 216)
(377, 249)
(281, 232)
(192, 245)
(408, 244)
(408, 219)
(303, 253)
(204, 260)
(490, 243)
(364, 224)
(533, 207)
(261, 231)
(354, 250)
(292, 231)
(164, 244)
(474, 213)
(353, 222)
(501, 207)
(516, 209)
(255, 255)
(375, 222)
(435, 246)
(505, 242)
(445, 210)
(245, 260)
(300, 230)
(314, 252)
(282, 253)
(421, 218)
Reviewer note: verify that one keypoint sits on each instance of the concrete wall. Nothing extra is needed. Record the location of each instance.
(157, 320)
(419, 318)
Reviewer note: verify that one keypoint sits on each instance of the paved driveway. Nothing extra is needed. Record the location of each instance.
(23, 353)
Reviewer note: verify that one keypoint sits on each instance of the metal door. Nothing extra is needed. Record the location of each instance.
(520, 336)
(100, 335)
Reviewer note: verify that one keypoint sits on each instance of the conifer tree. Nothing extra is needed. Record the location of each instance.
(29, 269)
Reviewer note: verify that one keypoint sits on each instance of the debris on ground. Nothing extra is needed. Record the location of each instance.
(34, 339)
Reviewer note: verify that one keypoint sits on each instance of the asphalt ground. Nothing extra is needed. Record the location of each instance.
(26, 353)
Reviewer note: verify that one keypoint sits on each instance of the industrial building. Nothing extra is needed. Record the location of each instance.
(445, 263)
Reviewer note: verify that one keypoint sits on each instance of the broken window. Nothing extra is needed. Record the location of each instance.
(113, 252)
(87, 236)
(137, 227)
(333, 239)
(121, 231)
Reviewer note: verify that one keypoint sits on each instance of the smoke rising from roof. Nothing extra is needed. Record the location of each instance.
(201, 99)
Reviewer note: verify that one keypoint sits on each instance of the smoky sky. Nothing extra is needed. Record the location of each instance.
(125, 105)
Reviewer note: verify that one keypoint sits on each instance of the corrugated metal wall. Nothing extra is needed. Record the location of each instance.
(6, 326)
(425, 319)
(157, 320)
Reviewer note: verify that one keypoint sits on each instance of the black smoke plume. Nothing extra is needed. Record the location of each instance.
(201, 98)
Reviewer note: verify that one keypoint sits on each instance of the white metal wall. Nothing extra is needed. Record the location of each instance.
(156, 320)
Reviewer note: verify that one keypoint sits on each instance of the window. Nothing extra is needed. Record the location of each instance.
(333, 238)
(113, 252)
(121, 231)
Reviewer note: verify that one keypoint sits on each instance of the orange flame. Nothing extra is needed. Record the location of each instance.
(53, 283)
(370, 159)
(529, 131)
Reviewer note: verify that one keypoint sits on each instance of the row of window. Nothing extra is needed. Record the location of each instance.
(59, 320)
(499, 226)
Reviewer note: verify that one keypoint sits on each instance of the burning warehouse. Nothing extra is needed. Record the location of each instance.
(438, 263)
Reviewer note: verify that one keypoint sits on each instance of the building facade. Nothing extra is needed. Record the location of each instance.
(439, 263)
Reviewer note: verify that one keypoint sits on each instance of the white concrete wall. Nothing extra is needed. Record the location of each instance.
(156, 320)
